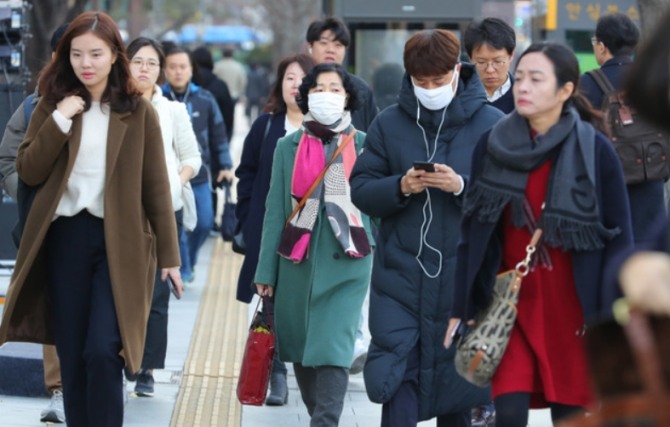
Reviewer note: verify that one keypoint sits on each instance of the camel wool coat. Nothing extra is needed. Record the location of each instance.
(139, 222)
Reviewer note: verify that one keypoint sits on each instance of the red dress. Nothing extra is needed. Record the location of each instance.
(546, 355)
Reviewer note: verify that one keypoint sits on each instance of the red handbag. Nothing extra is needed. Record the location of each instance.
(254, 377)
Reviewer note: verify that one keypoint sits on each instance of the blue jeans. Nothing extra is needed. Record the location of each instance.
(205, 212)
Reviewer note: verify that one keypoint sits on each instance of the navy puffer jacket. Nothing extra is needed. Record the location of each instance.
(407, 307)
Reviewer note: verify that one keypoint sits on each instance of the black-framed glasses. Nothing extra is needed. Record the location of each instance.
(497, 64)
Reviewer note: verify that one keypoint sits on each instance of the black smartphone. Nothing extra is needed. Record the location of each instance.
(460, 330)
(173, 288)
(427, 166)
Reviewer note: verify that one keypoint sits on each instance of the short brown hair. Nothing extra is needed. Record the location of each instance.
(431, 53)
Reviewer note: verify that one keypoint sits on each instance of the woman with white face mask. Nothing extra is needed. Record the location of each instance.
(440, 115)
(316, 245)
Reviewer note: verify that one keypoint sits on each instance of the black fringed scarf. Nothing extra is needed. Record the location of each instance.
(570, 218)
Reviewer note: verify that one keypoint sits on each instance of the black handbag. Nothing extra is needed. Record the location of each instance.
(228, 219)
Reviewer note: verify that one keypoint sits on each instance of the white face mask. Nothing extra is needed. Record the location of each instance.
(326, 107)
(438, 98)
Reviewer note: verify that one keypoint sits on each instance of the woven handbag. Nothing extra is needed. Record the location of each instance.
(480, 350)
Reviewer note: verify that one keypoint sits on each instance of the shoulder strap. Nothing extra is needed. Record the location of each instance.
(268, 124)
(28, 107)
(318, 179)
(602, 81)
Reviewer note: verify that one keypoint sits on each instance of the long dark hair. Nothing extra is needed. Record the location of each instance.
(566, 69)
(58, 79)
(276, 103)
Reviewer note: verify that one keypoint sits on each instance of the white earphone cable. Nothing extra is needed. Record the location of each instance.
(428, 217)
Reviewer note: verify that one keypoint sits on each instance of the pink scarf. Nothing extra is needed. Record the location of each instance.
(344, 218)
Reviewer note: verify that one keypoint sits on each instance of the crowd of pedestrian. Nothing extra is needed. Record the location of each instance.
(418, 206)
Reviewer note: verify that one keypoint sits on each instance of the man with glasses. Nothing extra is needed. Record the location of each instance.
(490, 44)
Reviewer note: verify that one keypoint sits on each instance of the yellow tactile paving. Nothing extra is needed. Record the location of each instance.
(207, 392)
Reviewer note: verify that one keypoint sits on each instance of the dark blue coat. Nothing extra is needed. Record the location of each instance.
(254, 174)
(647, 204)
(408, 308)
(209, 129)
(480, 248)
(506, 102)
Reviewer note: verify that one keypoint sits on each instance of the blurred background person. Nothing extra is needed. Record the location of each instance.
(315, 256)
(258, 87)
(232, 72)
(182, 159)
(204, 77)
(614, 43)
(210, 132)
(282, 117)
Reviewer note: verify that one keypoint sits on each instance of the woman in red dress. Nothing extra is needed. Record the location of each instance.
(543, 166)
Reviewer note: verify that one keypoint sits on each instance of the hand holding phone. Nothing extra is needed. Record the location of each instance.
(173, 288)
(426, 166)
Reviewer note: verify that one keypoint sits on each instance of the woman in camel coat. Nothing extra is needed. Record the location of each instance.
(100, 222)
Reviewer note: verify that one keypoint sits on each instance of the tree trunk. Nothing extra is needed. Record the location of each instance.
(650, 12)
(45, 17)
(289, 39)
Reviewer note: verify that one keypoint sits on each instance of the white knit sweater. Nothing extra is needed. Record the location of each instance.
(86, 184)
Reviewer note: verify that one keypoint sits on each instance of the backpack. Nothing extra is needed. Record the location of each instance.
(25, 194)
(643, 150)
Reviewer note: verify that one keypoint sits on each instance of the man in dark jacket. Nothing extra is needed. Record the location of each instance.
(613, 43)
(210, 132)
(440, 116)
(328, 42)
(490, 44)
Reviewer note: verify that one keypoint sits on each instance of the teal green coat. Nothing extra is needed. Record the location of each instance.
(317, 302)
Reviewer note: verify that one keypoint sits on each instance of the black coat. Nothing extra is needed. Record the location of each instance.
(408, 308)
(647, 204)
(254, 174)
(208, 80)
(367, 111)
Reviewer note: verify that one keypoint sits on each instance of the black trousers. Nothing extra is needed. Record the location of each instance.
(155, 343)
(403, 408)
(87, 334)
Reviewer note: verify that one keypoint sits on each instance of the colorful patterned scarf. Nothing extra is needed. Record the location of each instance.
(344, 218)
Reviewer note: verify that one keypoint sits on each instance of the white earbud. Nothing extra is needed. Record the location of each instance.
(310, 50)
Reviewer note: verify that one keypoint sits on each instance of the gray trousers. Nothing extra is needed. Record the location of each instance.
(322, 389)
